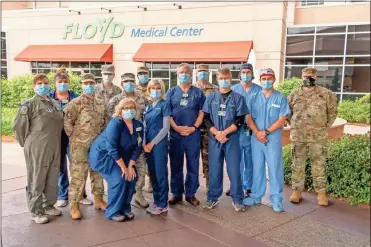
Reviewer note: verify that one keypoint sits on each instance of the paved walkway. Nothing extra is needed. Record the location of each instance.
(184, 225)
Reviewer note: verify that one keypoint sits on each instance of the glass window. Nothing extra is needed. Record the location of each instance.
(173, 79)
(359, 28)
(160, 65)
(357, 60)
(4, 73)
(3, 44)
(235, 75)
(166, 82)
(352, 97)
(299, 60)
(330, 45)
(45, 71)
(232, 66)
(76, 65)
(34, 71)
(300, 30)
(356, 79)
(96, 65)
(3, 35)
(59, 64)
(148, 65)
(96, 72)
(293, 71)
(328, 60)
(3, 54)
(213, 77)
(174, 65)
(331, 29)
(329, 77)
(160, 74)
(358, 44)
(299, 45)
(211, 65)
(33, 64)
(43, 65)
(312, 2)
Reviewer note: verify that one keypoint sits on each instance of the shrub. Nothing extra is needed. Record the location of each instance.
(347, 168)
(357, 111)
(289, 85)
(19, 88)
(7, 119)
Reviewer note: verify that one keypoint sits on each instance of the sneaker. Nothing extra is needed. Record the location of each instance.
(86, 201)
(277, 207)
(155, 210)
(209, 204)
(53, 212)
(118, 218)
(228, 193)
(129, 215)
(247, 193)
(239, 207)
(151, 208)
(61, 203)
(40, 219)
(251, 201)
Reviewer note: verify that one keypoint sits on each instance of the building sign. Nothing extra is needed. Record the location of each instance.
(89, 30)
(167, 31)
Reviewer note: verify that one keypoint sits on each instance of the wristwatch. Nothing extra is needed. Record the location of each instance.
(195, 127)
(267, 132)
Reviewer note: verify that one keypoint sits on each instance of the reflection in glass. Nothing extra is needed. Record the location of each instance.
(352, 97)
(299, 60)
(328, 60)
(293, 71)
(160, 65)
(232, 66)
(300, 45)
(329, 77)
(59, 64)
(44, 71)
(330, 45)
(166, 83)
(4, 73)
(96, 65)
(356, 79)
(43, 64)
(358, 44)
(96, 72)
(174, 65)
(357, 60)
(359, 28)
(331, 29)
(34, 71)
(211, 65)
(300, 30)
(79, 65)
(235, 75)
(160, 74)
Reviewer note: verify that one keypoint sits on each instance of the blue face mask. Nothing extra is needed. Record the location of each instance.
(155, 94)
(184, 78)
(224, 83)
(267, 85)
(129, 114)
(143, 79)
(246, 77)
(202, 76)
(88, 89)
(42, 89)
(128, 87)
(62, 87)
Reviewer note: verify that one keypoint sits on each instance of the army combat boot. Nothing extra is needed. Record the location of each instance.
(75, 211)
(149, 189)
(99, 203)
(295, 197)
(322, 198)
(139, 198)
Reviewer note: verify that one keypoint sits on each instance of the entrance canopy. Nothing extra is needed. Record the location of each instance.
(236, 51)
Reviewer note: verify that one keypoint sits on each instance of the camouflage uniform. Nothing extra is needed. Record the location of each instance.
(107, 93)
(209, 88)
(83, 122)
(141, 104)
(312, 113)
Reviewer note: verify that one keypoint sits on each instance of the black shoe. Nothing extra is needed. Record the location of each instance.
(193, 200)
(247, 193)
(228, 193)
(175, 200)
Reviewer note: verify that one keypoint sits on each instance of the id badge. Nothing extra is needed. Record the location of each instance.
(222, 106)
(221, 113)
(183, 102)
(247, 132)
(185, 95)
(139, 139)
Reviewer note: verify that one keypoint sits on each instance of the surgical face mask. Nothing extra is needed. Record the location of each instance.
(246, 77)
(42, 89)
(88, 89)
(62, 87)
(184, 78)
(129, 114)
(143, 79)
(267, 85)
(203, 76)
(224, 83)
(107, 78)
(128, 87)
(309, 82)
(155, 94)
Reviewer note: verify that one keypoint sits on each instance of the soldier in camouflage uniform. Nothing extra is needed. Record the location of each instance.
(207, 87)
(314, 110)
(107, 90)
(83, 122)
(143, 79)
(128, 83)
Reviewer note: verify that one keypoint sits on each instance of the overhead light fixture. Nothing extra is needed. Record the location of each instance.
(77, 11)
(144, 8)
(179, 6)
(109, 10)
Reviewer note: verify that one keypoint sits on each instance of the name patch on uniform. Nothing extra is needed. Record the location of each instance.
(23, 110)
(139, 128)
(277, 106)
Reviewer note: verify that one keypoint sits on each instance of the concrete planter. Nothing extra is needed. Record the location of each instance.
(334, 132)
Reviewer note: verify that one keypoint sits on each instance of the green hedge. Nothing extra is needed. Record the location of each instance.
(288, 85)
(348, 168)
(357, 111)
(7, 119)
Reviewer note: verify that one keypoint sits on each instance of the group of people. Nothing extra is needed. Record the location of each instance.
(122, 135)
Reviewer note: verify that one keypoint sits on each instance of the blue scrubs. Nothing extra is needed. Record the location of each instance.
(157, 158)
(223, 114)
(265, 112)
(245, 138)
(113, 143)
(63, 181)
(184, 109)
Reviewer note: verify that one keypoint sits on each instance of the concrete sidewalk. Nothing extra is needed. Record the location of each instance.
(300, 225)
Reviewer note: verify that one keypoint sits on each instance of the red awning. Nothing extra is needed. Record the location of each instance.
(75, 53)
(236, 51)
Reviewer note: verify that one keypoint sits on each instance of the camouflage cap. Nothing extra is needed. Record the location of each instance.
(311, 71)
(265, 72)
(87, 77)
(142, 69)
(202, 67)
(127, 77)
(108, 69)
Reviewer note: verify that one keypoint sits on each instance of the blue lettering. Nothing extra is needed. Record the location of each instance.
(135, 33)
(171, 31)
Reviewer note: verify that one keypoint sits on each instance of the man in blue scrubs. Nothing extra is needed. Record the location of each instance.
(186, 103)
(225, 112)
(268, 110)
(246, 88)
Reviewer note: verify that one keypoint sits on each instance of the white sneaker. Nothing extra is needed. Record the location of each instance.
(86, 201)
(61, 203)
(40, 219)
(53, 212)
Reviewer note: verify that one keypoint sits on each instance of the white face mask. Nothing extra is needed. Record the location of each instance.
(107, 78)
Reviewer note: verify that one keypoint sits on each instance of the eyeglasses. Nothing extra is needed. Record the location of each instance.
(128, 108)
